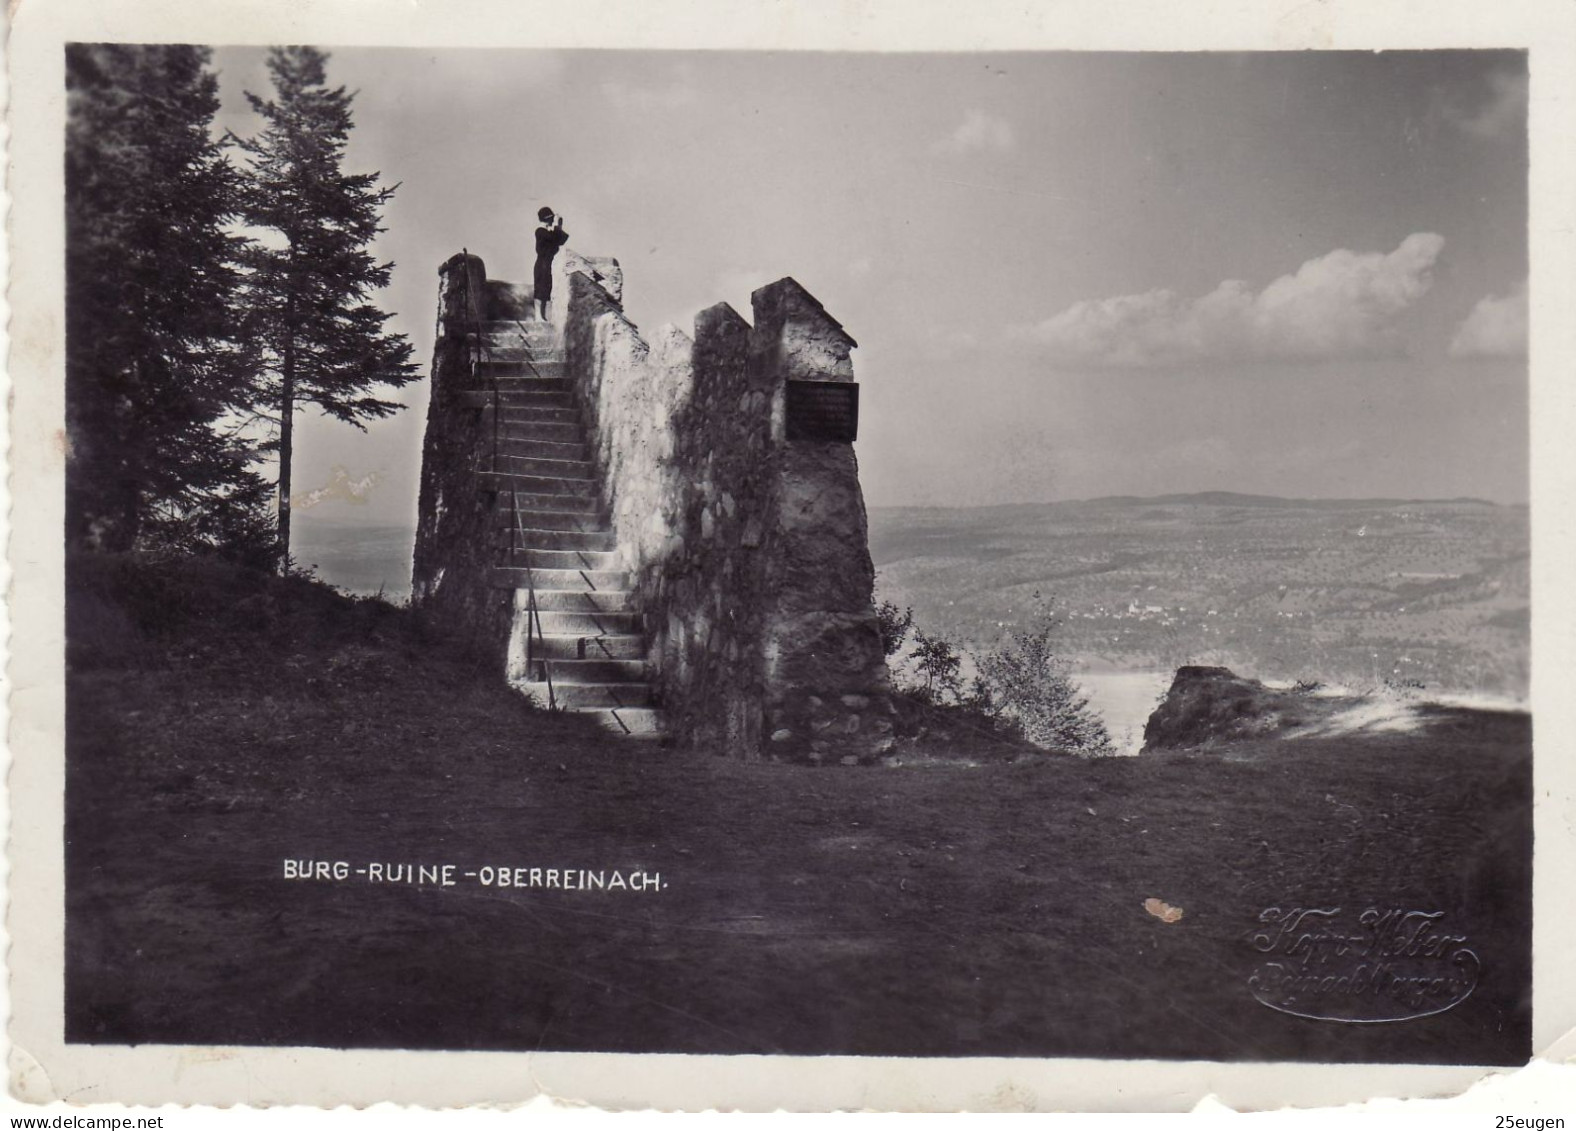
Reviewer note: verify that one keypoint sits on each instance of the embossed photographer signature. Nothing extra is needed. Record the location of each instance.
(1383, 964)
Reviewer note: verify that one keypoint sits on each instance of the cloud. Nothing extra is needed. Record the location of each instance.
(979, 132)
(1341, 305)
(1496, 327)
(1504, 111)
(340, 488)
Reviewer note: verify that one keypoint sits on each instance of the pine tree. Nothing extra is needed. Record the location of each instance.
(323, 342)
(154, 372)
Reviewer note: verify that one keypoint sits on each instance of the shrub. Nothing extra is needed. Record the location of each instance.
(1033, 687)
(1403, 687)
(1023, 691)
(941, 665)
(894, 624)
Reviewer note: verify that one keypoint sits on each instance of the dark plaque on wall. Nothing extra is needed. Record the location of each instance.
(823, 410)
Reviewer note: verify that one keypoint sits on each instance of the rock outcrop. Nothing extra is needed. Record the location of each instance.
(1206, 706)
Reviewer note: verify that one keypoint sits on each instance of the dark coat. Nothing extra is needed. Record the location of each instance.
(548, 241)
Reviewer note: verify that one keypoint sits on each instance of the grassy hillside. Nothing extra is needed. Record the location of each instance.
(220, 723)
(1349, 591)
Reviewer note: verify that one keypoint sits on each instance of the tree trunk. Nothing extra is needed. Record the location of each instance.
(124, 512)
(121, 519)
(286, 445)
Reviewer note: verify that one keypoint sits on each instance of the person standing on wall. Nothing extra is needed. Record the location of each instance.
(549, 238)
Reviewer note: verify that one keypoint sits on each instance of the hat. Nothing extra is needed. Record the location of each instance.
(544, 213)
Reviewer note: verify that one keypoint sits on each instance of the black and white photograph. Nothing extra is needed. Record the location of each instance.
(983, 552)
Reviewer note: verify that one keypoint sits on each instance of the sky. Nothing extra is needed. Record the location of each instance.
(1070, 274)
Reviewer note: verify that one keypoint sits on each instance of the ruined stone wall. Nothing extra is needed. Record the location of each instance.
(622, 392)
(669, 438)
(455, 532)
(708, 604)
(748, 553)
(826, 680)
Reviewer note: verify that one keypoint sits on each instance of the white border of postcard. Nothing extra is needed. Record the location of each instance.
(43, 1068)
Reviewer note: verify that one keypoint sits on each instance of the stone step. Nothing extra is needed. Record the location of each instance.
(502, 482)
(528, 503)
(501, 459)
(596, 671)
(598, 580)
(631, 722)
(614, 646)
(530, 428)
(532, 539)
(529, 383)
(578, 696)
(522, 365)
(538, 380)
(531, 395)
(513, 333)
(513, 546)
(545, 410)
(529, 327)
(556, 622)
(569, 559)
(587, 522)
(540, 449)
(521, 368)
(576, 600)
(517, 379)
(536, 347)
(516, 352)
(511, 388)
(518, 397)
(546, 468)
(501, 348)
(516, 416)
(502, 326)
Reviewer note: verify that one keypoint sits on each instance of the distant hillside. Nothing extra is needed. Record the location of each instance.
(1237, 499)
(1343, 590)
(1349, 590)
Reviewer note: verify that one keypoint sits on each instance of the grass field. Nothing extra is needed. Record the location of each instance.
(218, 728)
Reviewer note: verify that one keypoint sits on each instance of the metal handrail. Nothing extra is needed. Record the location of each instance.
(525, 344)
(533, 615)
(612, 689)
(600, 639)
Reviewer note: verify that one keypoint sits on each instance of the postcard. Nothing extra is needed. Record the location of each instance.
(789, 557)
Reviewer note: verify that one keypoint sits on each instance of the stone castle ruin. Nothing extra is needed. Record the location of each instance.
(667, 533)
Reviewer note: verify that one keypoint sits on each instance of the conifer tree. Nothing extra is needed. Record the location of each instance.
(154, 371)
(311, 273)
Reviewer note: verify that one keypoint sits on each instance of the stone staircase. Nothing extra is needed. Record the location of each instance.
(583, 650)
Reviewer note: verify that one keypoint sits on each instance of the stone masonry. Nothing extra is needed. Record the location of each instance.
(742, 556)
